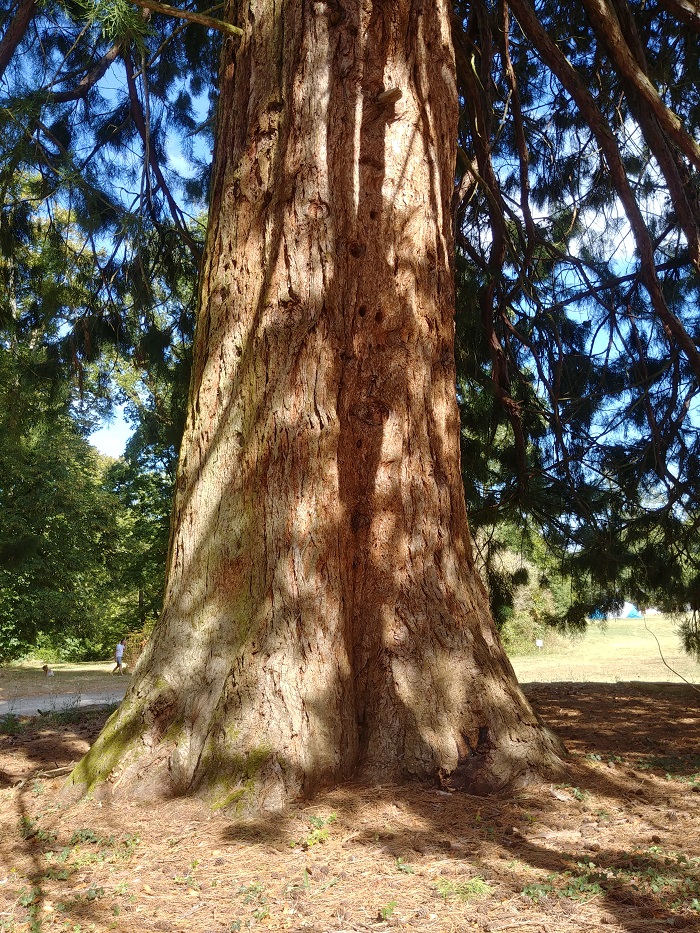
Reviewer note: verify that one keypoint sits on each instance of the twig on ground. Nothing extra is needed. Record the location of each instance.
(53, 772)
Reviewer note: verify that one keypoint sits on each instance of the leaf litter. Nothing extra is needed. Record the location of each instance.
(615, 846)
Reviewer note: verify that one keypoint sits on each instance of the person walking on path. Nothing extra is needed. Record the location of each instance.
(118, 655)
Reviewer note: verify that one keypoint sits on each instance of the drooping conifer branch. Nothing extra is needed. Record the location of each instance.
(140, 122)
(607, 28)
(572, 81)
(89, 80)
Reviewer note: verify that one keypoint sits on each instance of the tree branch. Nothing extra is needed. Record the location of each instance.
(479, 109)
(686, 11)
(671, 164)
(140, 122)
(209, 21)
(90, 80)
(573, 83)
(607, 28)
(523, 154)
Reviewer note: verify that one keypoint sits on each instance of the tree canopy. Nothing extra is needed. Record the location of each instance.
(576, 215)
(577, 220)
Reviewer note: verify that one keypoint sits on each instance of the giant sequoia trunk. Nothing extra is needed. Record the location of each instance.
(323, 617)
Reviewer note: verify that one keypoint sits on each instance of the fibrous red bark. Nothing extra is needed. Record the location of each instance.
(15, 32)
(323, 615)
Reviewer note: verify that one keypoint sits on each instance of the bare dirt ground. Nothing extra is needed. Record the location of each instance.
(614, 847)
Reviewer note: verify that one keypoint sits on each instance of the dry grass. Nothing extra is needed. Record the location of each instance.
(615, 847)
(618, 651)
(27, 679)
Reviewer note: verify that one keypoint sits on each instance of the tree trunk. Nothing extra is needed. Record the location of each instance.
(323, 618)
(15, 32)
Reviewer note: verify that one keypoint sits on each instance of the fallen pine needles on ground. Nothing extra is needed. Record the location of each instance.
(615, 847)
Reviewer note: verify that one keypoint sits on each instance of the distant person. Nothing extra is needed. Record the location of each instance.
(47, 671)
(118, 656)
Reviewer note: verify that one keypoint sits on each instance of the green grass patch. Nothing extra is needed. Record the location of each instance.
(467, 889)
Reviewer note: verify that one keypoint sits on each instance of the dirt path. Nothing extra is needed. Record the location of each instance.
(614, 847)
(55, 702)
(28, 680)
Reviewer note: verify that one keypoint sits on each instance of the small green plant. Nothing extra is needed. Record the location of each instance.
(684, 768)
(26, 826)
(28, 896)
(11, 725)
(61, 856)
(466, 890)
(251, 892)
(295, 888)
(87, 835)
(127, 845)
(319, 831)
(404, 866)
(671, 876)
(576, 792)
(580, 888)
(186, 879)
(537, 892)
(189, 878)
(387, 911)
(569, 884)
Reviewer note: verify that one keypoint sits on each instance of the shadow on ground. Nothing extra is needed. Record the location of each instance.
(615, 846)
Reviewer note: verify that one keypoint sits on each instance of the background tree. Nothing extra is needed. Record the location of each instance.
(84, 543)
(56, 526)
(142, 483)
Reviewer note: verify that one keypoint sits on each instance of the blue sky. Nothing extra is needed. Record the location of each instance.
(111, 439)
